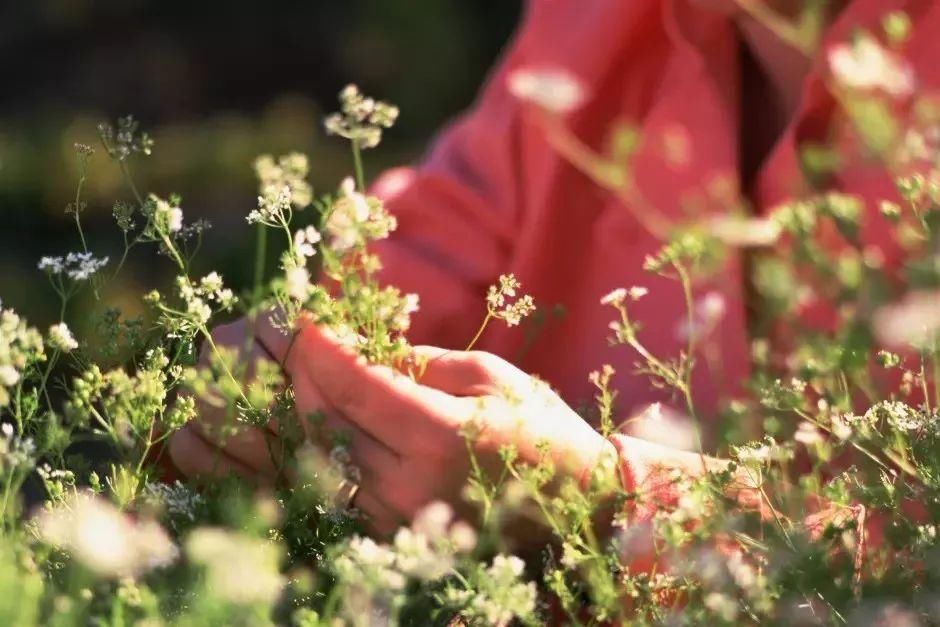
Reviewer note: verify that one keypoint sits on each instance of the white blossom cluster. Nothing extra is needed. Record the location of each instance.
(175, 499)
(61, 338)
(361, 119)
(372, 572)
(864, 64)
(762, 453)
(15, 451)
(20, 345)
(239, 568)
(554, 90)
(199, 297)
(500, 596)
(104, 539)
(296, 275)
(167, 216)
(500, 305)
(356, 218)
(288, 171)
(76, 266)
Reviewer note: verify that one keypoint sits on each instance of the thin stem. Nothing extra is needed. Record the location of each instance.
(357, 164)
(130, 183)
(76, 208)
(486, 320)
(261, 245)
(45, 377)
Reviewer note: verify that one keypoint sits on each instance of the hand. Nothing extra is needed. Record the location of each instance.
(207, 447)
(405, 435)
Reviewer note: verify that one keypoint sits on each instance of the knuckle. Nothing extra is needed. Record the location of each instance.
(482, 364)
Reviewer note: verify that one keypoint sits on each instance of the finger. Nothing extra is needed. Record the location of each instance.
(379, 519)
(232, 336)
(195, 457)
(383, 402)
(258, 449)
(275, 340)
(464, 373)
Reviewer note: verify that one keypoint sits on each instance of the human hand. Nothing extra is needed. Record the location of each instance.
(405, 434)
(209, 446)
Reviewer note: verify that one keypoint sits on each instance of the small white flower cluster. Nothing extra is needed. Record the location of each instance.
(61, 338)
(176, 500)
(76, 266)
(272, 208)
(498, 305)
(199, 296)
(664, 425)
(167, 217)
(20, 345)
(361, 119)
(707, 313)
(15, 451)
(745, 232)
(617, 297)
(914, 321)
(865, 64)
(239, 568)
(305, 242)
(900, 416)
(762, 453)
(288, 171)
(500, 596)
(296, 276)
(356, 218)
(554, 90)
(424, 551)
(58, 482)
(104, 539)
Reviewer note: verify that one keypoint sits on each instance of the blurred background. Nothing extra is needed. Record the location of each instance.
(215, 84)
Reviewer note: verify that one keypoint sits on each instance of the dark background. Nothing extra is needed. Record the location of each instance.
(215, 83)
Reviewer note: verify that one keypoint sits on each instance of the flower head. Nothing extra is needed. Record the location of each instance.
(865, 64)
(61, 338)
(105, 540)
(554, 90)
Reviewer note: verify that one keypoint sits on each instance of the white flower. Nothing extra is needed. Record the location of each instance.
(416, 556)
(8, 375)
(665, 426)
(166, 217)
(105, 540)
(807, 433)
(915, 321)
(745, 232)
(212, 282)
(614, 297)
(272, 207)
(866, 64)
(297, 283)
(554, 90)
(708, 311)
(722, 605)
(433, 519)
(239, 568)
(305, 241)
(76, 266)
(61, 338)
(52, 265)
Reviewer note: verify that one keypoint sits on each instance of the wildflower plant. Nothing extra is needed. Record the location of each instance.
(847, 416)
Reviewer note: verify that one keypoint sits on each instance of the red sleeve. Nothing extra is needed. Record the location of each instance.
(457, 214)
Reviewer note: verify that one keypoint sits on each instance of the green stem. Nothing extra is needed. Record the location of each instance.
(130, 183)
(77, 208)
(357, 164)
